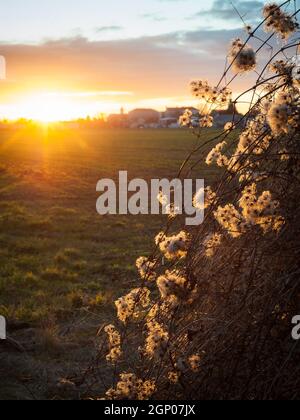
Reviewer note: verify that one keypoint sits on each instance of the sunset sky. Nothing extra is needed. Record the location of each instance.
(67, 59)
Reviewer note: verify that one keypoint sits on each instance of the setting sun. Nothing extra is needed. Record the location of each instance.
(48, 108)
(52, 106)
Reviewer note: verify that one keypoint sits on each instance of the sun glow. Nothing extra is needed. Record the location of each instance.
(53, 107)
(49, 107)
(46, 108)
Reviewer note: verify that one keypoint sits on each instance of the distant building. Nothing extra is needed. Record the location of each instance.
(118, 120)
(176, 113)
(150, 118)
(224, 116)
(170, 118)
(143, 118)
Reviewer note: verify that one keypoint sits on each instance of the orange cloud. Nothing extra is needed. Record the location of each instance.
(147, 68)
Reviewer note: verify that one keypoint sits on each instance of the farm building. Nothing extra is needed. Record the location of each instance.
(170, 118)
(118, 120)
(143, 118)
(150, 118)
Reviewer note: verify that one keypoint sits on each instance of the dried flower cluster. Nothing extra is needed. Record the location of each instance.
(242, 57)
(194, 362)
(186, 119)
(279, 21)
(157, 339)
(212, 243)
(131, 305)
(146, 268)
(231, 220)
(229, 126)
(216, 155)
(204, 198)
(173, 377)
(172, 283)
(114, 339)
(255, 210)
(206, 121)
(260, 210)
(173, 247)
(130, 387)
(283, 115)
(213, 95)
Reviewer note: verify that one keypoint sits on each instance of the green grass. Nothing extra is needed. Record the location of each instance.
(59, 259)
(52, 240)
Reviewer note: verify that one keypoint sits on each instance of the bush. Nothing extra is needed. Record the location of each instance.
(217, 323)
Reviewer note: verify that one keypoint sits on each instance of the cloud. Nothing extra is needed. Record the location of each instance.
(150, 67)
(111, 28)
(225, 10)
(89, 94)
(153, 16)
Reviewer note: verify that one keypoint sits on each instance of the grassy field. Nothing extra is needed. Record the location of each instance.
(61, 264)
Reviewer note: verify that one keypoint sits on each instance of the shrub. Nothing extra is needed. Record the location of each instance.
(217, 323)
